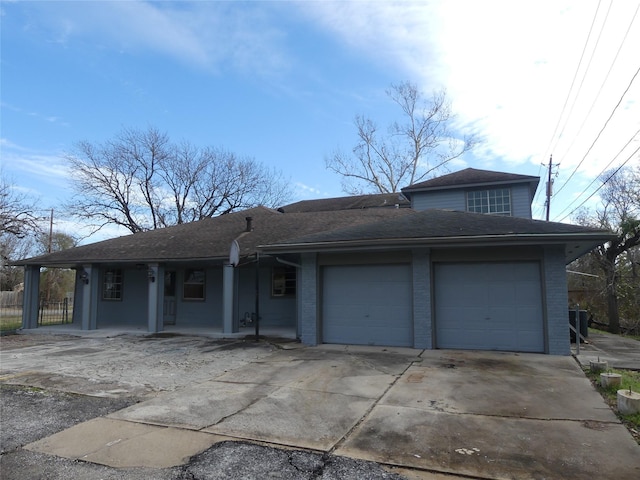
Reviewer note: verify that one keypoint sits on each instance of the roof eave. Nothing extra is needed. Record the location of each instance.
(533, 181)
(587, 243)
(74, 263)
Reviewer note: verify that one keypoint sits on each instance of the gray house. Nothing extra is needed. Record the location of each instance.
(454, 262)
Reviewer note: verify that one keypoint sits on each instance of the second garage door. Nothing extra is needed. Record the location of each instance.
(367, 305)
(489, 306)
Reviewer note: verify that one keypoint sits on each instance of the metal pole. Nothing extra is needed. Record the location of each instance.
(578, 328)
(257, 297)
(50, 232)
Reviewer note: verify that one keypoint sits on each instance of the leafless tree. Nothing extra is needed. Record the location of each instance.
(617, 260)
(17, 212)
(408, 152)
(141, 180)
(55, 283)
(18, 226)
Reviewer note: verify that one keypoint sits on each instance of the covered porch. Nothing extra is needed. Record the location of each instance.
(212, 297)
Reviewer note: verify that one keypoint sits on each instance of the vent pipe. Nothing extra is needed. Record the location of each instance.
(249, 223)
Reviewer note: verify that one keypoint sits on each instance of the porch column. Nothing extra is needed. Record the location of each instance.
(30, 299)
(155, 275)
(308, 291)
(90, 279)
(227, 299)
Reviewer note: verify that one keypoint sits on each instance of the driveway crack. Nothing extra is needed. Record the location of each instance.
(344, 438)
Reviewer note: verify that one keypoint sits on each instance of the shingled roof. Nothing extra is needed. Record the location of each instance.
(451, 228)
(379, 200)
(345, 222)
(210, 239)
(471, 177)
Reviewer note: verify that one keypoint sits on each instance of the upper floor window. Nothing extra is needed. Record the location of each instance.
(497, 201)
(283, 281)
(112, 284)
(193, 285)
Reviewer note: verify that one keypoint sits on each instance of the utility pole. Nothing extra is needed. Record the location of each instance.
(51, 231)
(549, 186)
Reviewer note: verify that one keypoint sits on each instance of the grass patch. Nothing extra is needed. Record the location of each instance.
(623, 335)
(630, 380)
(9, 323)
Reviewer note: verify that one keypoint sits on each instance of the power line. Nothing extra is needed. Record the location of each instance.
(584, 76)
(575, 75)
(615, 58)
(600, 132)
(602, 185)
(566, 101)
(599, 175)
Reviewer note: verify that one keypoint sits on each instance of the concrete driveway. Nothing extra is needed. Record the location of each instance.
(432, 413)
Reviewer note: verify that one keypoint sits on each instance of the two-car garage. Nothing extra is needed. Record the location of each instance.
(476, 305)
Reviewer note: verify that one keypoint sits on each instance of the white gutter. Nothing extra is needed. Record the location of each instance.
(496, 239)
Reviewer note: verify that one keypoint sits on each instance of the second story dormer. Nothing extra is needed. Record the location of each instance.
(478, 191)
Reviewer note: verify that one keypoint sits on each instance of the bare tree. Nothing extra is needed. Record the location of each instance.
(408, 152)
(13, 248)
(617, 259)
(18, 226)
(17, 211)
(55, 283)
(142, 181)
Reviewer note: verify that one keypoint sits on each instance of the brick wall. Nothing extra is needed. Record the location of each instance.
(557, 301)
(422, 323)
(308, 288)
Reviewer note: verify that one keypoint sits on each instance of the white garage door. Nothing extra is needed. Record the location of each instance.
(489, 306)
(367, 305)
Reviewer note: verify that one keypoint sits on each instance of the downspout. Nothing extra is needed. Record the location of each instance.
(257, 297)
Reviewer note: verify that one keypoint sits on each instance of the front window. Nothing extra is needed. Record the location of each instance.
(496, 202)
(283, 281)
(193, 287)
(112, 284)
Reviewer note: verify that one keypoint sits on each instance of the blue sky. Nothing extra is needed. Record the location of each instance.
(282, 82)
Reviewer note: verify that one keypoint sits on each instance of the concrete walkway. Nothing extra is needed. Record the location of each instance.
(618, 351)
(435, 413)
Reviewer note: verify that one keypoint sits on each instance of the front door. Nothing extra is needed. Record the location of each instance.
(169, 310)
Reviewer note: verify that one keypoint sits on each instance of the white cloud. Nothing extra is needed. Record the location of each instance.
(204, 34)
(33, 172)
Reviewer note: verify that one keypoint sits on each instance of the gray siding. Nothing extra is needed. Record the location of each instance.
(274, 311)
(456, 199)
(207, 313)
(131, 310)
(520, 201)
(444, 200)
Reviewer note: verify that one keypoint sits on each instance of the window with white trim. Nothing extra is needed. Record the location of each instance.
(193, 285)
(495, 202)
(112, 284)
(283, 281)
